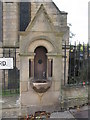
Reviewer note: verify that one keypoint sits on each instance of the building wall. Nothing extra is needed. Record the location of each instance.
(10, 24)
(0, 22)
(21, 14)
(58, 18)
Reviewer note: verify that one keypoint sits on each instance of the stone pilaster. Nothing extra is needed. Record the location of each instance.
(32, 68)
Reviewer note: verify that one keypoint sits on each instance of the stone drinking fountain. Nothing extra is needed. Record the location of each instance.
(41, 52)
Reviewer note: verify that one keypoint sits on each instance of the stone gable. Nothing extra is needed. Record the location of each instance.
(41, 21)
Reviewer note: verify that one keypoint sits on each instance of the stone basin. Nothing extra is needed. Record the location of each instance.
(40, 86)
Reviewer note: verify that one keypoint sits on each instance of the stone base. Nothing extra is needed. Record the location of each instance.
(33, 109)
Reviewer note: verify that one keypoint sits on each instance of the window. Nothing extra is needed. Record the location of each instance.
(24, 15)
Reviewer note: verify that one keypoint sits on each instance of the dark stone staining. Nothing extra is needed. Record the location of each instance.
(41, 89)
(40, 86)
(24, 15)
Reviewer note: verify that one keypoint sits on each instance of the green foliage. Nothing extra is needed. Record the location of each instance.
(10, 93)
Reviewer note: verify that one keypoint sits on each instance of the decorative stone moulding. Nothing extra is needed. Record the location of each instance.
(40, 86)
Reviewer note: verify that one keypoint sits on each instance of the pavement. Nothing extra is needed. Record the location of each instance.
(10, 102)
(10, 109)
(78, 114)
(65, 114)
(81, 112)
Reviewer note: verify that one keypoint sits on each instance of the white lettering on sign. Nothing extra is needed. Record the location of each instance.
(6, 63)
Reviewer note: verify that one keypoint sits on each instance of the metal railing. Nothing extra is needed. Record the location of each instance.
(78, 65)
(11, 77)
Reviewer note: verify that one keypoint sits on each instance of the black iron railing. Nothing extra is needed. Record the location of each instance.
(78, 65)
(11, 77)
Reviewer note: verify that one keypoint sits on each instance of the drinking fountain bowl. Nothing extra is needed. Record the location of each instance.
(40, 86)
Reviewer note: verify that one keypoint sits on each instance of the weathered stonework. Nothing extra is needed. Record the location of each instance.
(0, 22)
(48, 29)
(10, 24)
(41, 32)
(74, 96)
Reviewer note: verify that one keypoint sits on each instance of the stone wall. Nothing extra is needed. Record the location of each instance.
(0, 21)
(58, 18)
(10, 24)
(74, 96)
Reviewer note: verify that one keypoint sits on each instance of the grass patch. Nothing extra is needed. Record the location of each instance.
(10, 92)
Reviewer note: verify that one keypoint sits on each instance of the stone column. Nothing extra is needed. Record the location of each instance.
(24, 73)
(32, 68)
(57, 72)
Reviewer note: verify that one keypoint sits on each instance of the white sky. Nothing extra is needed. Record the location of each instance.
(77, 16)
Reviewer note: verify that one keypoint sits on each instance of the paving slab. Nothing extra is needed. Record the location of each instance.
(81, 112)
(10, 101)
(65, 114)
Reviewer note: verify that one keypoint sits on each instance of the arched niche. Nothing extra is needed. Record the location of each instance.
(45, 43)
(40, 63)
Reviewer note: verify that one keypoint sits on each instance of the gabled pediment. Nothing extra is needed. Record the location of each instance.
(41, 22)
